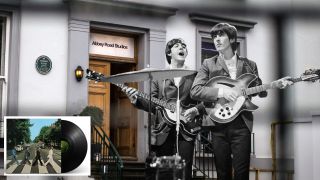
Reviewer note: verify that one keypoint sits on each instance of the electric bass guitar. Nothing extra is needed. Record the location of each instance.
(166, 109)
(223, 111)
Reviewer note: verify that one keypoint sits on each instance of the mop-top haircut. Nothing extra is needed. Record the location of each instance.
(170, 45)
(228, 29)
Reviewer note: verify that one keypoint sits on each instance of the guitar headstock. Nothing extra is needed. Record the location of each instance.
(92, 75)
(311, 75)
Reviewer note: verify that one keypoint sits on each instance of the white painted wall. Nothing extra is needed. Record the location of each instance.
(316, 145)
(304, 44)
(304, 54)
(282, 4)
(44, 31)
(303, 151)
(260, 48)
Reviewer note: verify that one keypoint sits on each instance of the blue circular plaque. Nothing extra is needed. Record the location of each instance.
(43, 64)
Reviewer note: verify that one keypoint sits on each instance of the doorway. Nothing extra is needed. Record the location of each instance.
(124, 115)
(120, 116)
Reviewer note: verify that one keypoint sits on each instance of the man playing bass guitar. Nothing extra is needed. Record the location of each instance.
(233, 137)
(164, 140)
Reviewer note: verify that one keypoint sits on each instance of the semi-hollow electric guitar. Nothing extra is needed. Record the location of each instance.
(223, 111)
(167, 109)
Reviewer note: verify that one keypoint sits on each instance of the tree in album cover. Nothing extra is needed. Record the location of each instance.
(33, 146)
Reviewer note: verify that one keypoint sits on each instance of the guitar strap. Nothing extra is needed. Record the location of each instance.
(252, 71)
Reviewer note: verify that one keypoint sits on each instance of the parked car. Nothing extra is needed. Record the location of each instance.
(19, 148)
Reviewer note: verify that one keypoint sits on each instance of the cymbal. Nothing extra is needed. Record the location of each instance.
(147, 73)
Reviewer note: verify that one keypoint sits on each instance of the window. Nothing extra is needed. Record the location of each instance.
(207, 49)
(204, 44)
(4, 29)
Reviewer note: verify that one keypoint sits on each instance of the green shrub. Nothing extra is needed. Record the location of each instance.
(95, 113)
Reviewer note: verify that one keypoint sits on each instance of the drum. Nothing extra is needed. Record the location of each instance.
(168, 167)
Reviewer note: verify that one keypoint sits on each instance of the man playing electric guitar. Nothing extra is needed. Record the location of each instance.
(233, 137)
(163, 144)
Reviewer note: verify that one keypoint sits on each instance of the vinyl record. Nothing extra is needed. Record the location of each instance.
(73, 146)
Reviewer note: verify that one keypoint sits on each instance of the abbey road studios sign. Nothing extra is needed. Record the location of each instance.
(43, 64)
(110, 45)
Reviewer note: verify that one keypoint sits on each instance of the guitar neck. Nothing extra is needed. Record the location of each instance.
(145, 96)
(264, 87)
(157, 101)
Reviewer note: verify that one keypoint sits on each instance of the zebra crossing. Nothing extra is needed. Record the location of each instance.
(14, 168)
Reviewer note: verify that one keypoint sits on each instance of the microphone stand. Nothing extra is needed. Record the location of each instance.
(177, 157)
(177, 122)
(149, 114)
(150, 156)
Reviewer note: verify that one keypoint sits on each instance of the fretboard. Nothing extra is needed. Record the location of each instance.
(157, 101)
(264, 87)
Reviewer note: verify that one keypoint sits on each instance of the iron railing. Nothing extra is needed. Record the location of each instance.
(105, 155)
(203, 161)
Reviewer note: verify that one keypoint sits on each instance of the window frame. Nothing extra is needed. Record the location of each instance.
(5, 52)
(4, 70)
(11, 51)
(204, 23)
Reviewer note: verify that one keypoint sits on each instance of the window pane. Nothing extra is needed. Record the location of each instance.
(207, 49)
(1, 113)
(1, 46)
(2, 72)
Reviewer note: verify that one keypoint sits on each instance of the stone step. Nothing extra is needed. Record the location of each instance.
(133, 170)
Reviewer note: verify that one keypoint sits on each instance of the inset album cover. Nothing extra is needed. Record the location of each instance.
(47, 145)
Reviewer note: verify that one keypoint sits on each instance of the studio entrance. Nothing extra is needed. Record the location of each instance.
(120, 116)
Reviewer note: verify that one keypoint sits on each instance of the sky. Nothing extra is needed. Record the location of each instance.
(38, 124)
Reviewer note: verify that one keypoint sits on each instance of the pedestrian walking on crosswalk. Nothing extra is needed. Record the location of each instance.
(37, 158)
(14, 156)
(50, 157)
(26, 156)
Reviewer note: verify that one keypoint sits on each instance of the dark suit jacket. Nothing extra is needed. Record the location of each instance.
(166, 90)
(216, 66)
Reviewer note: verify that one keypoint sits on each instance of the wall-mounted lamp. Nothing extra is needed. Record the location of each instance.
(79, 73)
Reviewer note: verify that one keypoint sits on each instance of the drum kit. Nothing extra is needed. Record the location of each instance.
(151, 74)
